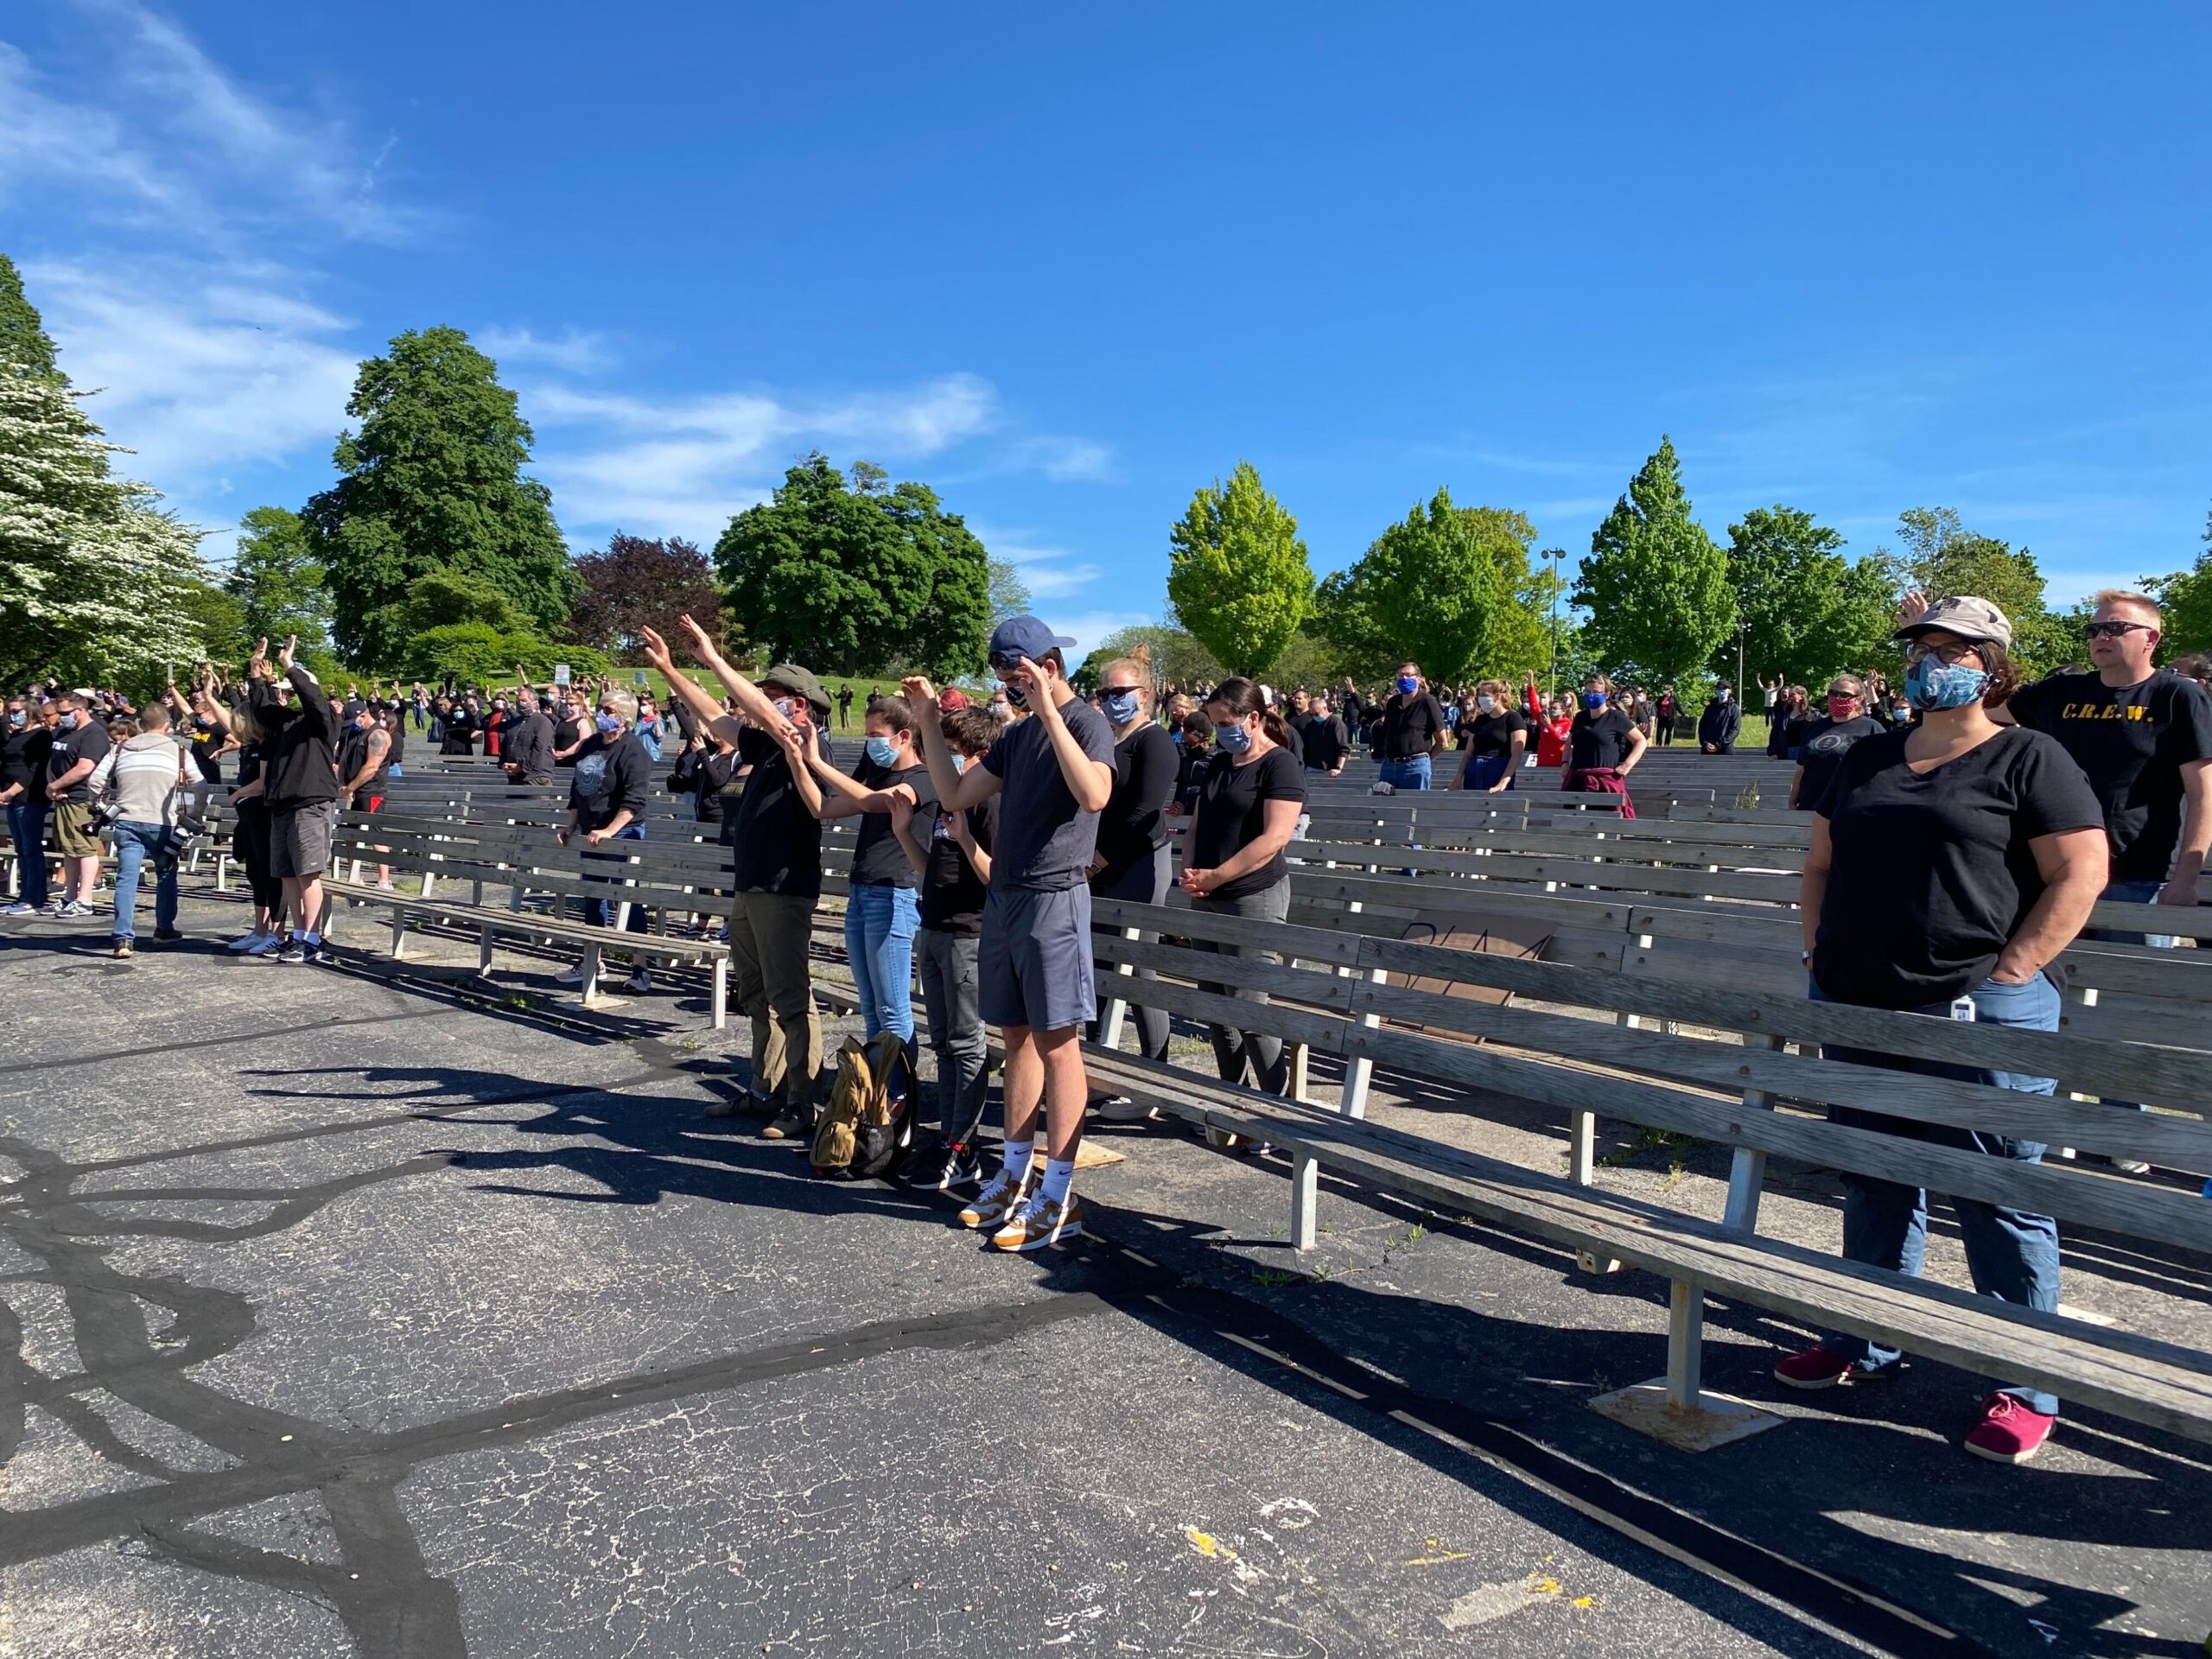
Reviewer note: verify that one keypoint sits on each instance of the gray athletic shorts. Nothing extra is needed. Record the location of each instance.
(299, 839)
(1033, 962)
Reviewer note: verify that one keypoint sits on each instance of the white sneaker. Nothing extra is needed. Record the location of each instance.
(570, 976)
(250, 942)
(1120, 1108)
(641, 982)
(386, 886)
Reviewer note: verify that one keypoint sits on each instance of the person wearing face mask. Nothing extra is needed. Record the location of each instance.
(26, 746)
(651, 731)
(1949, 863)
(81, 743)
(775, 843)
(1603, 746)
(607, 790)
(1133, 862)
(1664, 712)
(1495, 739)
(464, 720)
(1249, 800)
(882, 908)
(952, 852)
(1413, 732)
(1328, 741)
(1719, 722)
(526, 750)
(496, 723)
(1828, 740)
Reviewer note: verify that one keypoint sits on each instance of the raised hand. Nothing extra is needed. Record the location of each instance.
(921, 696)
(1911, 608)
(703, 645)
(285, 657)
(657, 651)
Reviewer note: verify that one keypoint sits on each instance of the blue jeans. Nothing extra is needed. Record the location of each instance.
(134, 844)
(879, 923)
(600, 913)
(27, 829)
(1407, 774)
(2134, 892)
(2013, 1255)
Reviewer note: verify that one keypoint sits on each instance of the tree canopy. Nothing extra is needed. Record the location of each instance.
(1449, 588)
(276, 578)
(1655, 586)
(633, 584)
(1808, 613)
(852, 582)
(25, 347)
(1238, 577)
(433, 480)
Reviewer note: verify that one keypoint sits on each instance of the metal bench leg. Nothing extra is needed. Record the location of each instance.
(1676, 1408)
(398, 932)
(1304, 1195)
(718, 999)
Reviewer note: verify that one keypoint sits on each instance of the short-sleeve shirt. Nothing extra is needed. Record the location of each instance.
(1491, 735)
(1932, 874)
(952, 894)
(1599, 739)
(1233, 813)
(1827, 741)
(23, 756)
(878, 858)
(775, 843)
(1044, 841)
(88, 742)
(2131, 740)
(1410, 726)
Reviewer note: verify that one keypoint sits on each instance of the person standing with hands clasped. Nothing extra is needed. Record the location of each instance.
(1249, 798)
(1133, 863)
(1054, 775)
(1494, 740)
(1603, 746)
(606, 800)
(1950, 862)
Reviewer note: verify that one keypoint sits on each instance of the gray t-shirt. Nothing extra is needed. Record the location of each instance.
(1044, 841)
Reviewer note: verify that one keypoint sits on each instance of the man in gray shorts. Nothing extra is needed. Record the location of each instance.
(299, 772)
(1053, 774)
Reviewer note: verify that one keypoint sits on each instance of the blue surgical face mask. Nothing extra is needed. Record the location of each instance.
(1120, 706)
(15, 716)
(608, 725)
(1408, 685)
(66, 723)
(1932, 683)
(960, 763)
(882, 751)
(1594, 700)
(1233, 738)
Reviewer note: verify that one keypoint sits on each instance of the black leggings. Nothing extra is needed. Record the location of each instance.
(250, 841)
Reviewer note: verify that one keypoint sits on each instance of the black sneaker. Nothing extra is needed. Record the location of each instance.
(291, 951)
(313, 953)
(166, 936)
(950, 1169)
(788, 1126)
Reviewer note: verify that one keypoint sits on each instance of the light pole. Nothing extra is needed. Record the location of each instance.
(1554, 557)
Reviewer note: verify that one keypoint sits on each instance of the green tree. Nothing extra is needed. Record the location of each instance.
(1009, 592)
(1237, 575)
(276, 578)
(1435, 584)
(25, 347)
(1944, 559)
(2186, 597)
(852, 583)
(1655, 584)
(1807, 612)
(98, 585)
(433, 480)
(1178, 657)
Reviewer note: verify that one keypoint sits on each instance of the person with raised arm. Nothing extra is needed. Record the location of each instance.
(1054, 775)
(775, 843)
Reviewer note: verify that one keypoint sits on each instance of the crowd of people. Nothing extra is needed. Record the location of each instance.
(1963, 825)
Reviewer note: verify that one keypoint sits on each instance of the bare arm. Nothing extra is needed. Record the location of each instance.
(1637, 744)
(2074, 865)
(1092, 782)
(379, 746)
(1519, 747)
(1279, 826)
(1813, 886)
(902, 825)
(2195, 834)
(750, 697)
(957, 790)
(1796, 783)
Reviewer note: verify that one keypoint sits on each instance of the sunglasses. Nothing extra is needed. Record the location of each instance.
(2114, 630)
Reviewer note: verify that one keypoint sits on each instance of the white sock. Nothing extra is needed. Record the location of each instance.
(1018, 1153)
(1058, 1171)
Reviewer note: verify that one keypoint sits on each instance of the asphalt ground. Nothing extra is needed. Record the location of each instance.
(362, 1311)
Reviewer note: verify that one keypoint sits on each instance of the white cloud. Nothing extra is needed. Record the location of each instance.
(577, 350)
(1049, 573)
(1089, 629)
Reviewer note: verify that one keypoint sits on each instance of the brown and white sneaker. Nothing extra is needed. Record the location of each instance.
(1039, 1222)
(998, 1200)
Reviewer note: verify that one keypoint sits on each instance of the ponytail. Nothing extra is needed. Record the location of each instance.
(1242, 696)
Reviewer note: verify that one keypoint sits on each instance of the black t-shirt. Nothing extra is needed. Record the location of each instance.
(878, 858)
(1599, 739)
(775, 843)
(2132, 741)
(1491, 735)
(1410, 726)
(1232, 813)
(567, 734)
(352, 755)
(1295, 741)
(23, 756)
(1146, 766)
(88, 742)
(1827, 741)
(612, 774)
(207, 740)
(952, 894)
(1327, 742)
(249, 772)
(1045, 842)
(1931, 874)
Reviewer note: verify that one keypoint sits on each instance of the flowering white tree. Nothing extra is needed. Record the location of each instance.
(94, 578)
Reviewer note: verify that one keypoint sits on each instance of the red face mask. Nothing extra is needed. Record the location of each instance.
(1842, 708)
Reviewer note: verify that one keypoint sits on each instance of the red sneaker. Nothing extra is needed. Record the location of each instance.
(2010, 1430)
(1817, 1367)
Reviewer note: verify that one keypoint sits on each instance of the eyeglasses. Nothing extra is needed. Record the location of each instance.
(1951, 654)
(2114, 629)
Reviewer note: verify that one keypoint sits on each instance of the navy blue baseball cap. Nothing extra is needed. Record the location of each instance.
(1024, 636)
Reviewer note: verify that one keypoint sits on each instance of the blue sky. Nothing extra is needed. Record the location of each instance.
(1066, 264)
